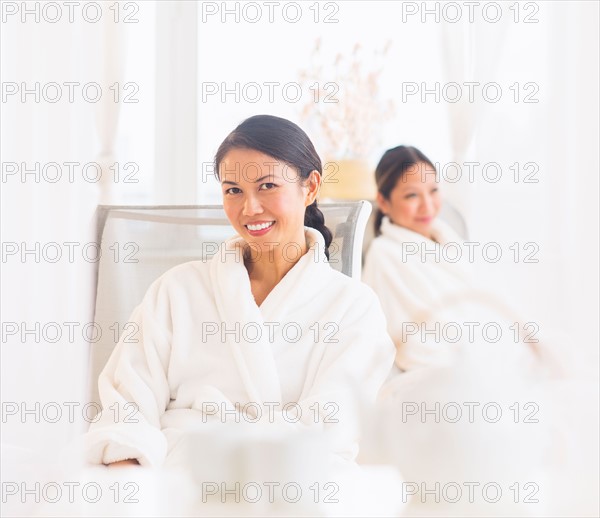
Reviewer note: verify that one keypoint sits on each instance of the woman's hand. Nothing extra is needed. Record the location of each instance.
(128, 462)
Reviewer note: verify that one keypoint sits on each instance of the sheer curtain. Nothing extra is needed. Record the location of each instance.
(555, 141)
(69, 147)
(570, 149)
(470, 56)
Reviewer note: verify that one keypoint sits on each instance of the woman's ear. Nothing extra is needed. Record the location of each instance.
(313, 183)
(383, 203)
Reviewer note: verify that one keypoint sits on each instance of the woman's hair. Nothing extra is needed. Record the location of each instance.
(286, 142)
(393, 165)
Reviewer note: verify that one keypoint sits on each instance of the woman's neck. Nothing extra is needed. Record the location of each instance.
(270, 269)
(430, 234)
(266, 269)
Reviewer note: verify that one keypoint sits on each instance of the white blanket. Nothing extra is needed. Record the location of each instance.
(505, 412)
(544, 428)
(206, 352)
(411, 275)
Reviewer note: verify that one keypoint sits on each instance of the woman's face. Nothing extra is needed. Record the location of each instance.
(264, 199)
(415, 200)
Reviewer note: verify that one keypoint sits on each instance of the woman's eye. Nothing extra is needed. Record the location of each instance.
(233, 190)
(411, 195)
(435, 189)
(267, 186)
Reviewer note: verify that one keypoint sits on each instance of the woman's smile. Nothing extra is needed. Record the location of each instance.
(259, 228)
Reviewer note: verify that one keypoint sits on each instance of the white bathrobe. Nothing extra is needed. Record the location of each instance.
(323, 340)
(410, 280)
(546, 427)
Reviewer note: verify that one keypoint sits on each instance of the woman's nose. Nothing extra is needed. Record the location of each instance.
(252, 206)
(427, 204)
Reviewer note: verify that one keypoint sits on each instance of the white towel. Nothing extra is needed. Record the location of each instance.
(200, 347)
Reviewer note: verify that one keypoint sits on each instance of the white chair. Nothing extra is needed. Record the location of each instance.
(138, 244)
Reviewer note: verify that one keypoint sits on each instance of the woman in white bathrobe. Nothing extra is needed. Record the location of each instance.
(264, 324)
(420, 290)
(410, 264)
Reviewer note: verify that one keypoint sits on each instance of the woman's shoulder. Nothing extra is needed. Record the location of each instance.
(188, 276)
(186, 271)
(380, 242)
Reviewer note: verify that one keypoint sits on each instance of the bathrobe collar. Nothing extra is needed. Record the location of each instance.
(441, 232)
(235, 304)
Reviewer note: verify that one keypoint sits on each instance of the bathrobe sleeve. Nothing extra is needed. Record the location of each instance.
(134, 390)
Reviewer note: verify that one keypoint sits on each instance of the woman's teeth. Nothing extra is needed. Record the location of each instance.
(259, 227)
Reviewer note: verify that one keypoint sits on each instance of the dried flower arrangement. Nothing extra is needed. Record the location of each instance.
(345, 113)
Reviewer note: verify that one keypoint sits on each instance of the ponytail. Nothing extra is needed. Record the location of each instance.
(377, 223)
(313, 217)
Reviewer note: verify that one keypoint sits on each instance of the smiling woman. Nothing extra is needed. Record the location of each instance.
(408, 192)
(296, 332)
(406, 265)
(270, 174)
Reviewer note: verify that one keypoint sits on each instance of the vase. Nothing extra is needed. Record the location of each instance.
(348, 179)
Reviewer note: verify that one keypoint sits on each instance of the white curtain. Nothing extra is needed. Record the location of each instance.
(558, 58)
(470, 57)
(46, 369)
(176, 108)
(570, 133)
(143, 57)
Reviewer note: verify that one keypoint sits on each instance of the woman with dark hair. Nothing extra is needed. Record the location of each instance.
(411, 264)
(264, 324)
(456, 341)
(407, 190)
